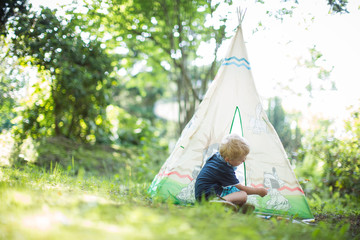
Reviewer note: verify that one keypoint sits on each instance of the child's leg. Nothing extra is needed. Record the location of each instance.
(238, 198)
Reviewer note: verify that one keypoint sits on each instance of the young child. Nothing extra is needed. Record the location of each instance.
(217, 177)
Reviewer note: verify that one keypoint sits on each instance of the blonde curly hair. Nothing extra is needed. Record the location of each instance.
(233, 146)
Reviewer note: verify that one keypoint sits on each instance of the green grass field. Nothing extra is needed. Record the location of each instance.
(56, 204)
(81, 192)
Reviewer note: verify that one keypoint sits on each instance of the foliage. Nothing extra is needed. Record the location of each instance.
(343, 164)
(10, 84)
(63, 188)
(10, 9)
(162, 38)
(137, 100)
(58, 204)
(131, 130)
(71, 95)
(283, 123)
(322, 75)
(335, 209)
(332, 163)
(139, 161)
(140, 135)
(338, 6)
(316, 71)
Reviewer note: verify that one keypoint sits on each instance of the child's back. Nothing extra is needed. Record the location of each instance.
(214, 175)
(217, 177)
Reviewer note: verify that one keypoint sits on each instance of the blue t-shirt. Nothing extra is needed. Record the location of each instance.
(215, 175)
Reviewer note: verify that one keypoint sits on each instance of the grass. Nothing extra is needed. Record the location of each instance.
(55, 204)
(69, 196)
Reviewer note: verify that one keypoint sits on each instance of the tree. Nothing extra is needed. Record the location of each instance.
(10, 84)
(162, 37)
(70, 97)
(338, 6)
(290, 137)
(10, 9)
(322, 74)
(332, 161)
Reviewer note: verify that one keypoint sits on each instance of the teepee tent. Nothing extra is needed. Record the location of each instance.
(232, 105)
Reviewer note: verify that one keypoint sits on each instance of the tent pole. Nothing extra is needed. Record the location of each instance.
(241, 15)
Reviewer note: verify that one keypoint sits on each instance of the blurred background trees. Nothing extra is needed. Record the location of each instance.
(9, 10)
(286, 126)
(161, 38)
(70, 96)
(330, 162)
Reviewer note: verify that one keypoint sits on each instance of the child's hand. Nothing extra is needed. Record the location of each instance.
(262, 192)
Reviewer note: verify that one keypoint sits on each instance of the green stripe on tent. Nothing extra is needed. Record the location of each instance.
(237, 110)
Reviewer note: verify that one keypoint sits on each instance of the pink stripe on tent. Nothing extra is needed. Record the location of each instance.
(177, 174)
(291, 189)
(282, 188)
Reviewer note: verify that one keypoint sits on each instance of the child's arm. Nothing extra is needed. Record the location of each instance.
(250, 190)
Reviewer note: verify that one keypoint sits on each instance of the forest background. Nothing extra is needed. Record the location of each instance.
(95, 94)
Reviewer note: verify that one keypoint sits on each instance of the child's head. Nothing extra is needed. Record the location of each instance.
(234, 149)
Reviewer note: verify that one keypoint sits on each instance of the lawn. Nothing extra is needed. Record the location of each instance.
(58, 204)
(81, 192)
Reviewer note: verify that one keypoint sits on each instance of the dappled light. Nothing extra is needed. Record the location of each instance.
(21, 198)
(109, 110)
(45, 221)
(6, 148)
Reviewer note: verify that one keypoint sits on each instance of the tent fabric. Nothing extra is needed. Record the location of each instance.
(232, 105)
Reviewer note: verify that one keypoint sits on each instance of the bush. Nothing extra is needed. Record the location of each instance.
(139, 163)
(332, 163)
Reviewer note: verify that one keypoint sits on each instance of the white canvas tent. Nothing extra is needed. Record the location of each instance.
(230, 105)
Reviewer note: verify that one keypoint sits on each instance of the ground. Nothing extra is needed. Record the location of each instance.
(84, 192)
